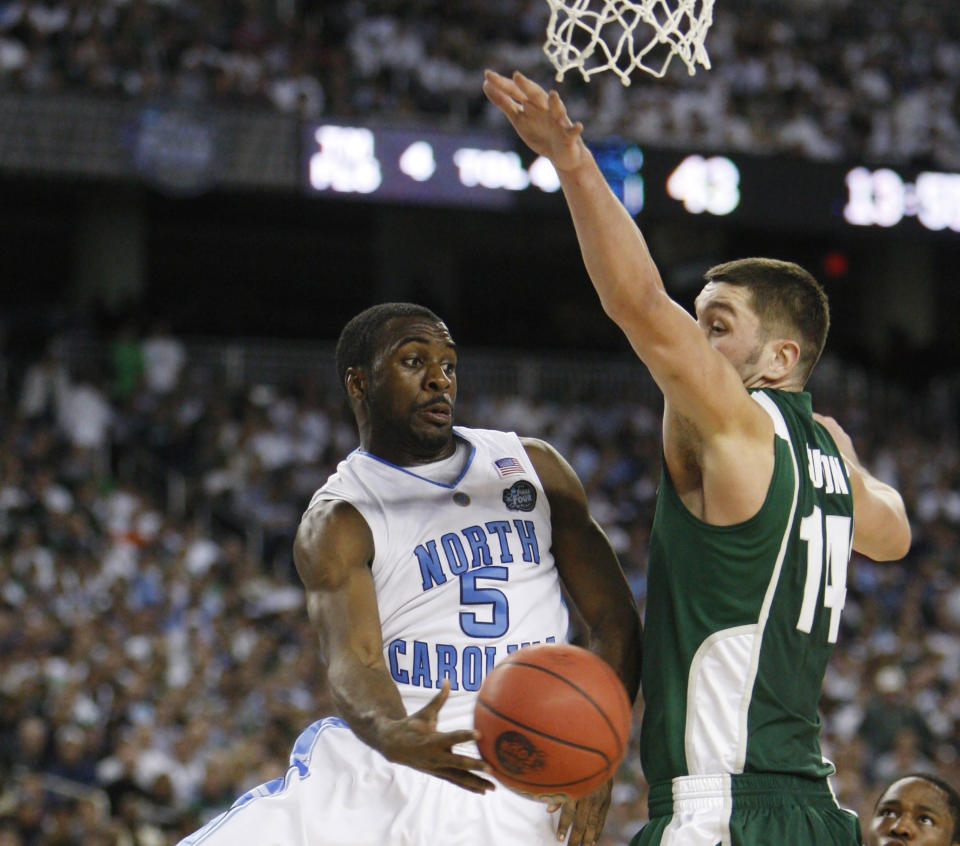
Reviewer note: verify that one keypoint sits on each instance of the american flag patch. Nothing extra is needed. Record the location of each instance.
(508, 466)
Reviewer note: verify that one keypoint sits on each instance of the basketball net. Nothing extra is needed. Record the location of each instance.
(625, 35)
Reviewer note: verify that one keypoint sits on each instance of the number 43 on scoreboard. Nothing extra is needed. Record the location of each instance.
(706, 185)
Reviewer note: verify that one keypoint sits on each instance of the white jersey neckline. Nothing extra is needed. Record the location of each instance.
(464, 443)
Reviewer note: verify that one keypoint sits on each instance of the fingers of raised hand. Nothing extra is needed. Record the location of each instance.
(506, 83)
(558, 112)
(530, 91)
(504, 93)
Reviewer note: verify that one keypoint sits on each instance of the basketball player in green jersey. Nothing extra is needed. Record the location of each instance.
(759, 505)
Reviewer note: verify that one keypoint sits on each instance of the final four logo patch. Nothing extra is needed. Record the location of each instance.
(520, 496)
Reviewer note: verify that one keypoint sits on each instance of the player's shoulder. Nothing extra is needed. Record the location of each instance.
(475, 434)
(326, 513)
(498, 440)
(494, 442)
(346, 475)
(332, 534)
(787, 409)
(537, 444)
(326, 522)
(554, 471)
(345, 484)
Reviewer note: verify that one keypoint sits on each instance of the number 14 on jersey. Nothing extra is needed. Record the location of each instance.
(828, 541)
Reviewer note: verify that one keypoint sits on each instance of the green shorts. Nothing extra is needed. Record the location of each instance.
(747, 810)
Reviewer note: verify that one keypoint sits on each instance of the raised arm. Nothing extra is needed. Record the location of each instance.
(332, 552)
(698, 382)
(881, 529)
(595, 583)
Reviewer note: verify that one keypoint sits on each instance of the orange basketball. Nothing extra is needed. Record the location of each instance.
(554, 721)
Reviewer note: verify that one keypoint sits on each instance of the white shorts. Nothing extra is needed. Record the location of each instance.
(340, 792)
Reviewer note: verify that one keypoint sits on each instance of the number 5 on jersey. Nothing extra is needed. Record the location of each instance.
(828, 542)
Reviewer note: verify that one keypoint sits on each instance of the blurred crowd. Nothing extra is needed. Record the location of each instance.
(821, 79)
(155, 655)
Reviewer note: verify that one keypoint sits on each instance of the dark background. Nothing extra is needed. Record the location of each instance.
(289, 265)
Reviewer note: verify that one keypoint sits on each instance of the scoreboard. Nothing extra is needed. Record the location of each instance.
(488, 171)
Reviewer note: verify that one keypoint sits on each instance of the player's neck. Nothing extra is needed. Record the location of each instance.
(406, 454)
(759, 380)
(445, 470)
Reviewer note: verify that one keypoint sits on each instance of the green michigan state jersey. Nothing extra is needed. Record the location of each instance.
(741, 620)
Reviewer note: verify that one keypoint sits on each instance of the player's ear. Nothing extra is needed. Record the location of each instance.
(355, 381)
(786, 355)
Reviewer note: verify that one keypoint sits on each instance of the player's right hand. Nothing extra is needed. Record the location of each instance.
(540, 118)
(582, 820)
(415, 742)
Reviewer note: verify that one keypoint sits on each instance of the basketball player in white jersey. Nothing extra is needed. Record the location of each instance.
(432, 553)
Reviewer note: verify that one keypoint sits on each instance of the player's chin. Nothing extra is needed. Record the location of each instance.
(434, 436)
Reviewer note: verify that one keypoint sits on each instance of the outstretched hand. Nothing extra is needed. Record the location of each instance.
(540, 118)
(415, 742)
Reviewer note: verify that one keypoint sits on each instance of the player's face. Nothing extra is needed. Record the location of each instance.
(413, 388)
(911, 811)
(732, 327)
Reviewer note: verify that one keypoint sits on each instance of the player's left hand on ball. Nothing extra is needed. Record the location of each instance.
(584, 818)
(415, 742)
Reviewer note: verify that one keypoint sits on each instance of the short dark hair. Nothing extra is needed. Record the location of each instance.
(948, 790)
(358, 342)
(785, 297)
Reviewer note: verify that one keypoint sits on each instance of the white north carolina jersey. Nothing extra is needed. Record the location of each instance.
(464, 573)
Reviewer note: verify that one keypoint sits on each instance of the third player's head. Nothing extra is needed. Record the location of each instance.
(916, 810)
(768, 317)
(397, 363)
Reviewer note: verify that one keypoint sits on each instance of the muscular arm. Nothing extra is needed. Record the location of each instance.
(711, 426)
(881, 529)
(698, 382)
(589, 568)
(332, 552)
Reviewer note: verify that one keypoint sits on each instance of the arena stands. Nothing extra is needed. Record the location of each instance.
(820, 79)
(155, 656)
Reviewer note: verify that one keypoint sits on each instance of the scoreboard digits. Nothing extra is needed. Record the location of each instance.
(883, 198)
(486, 171)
